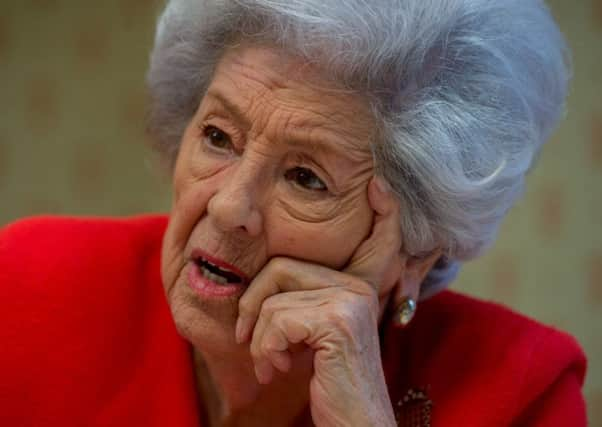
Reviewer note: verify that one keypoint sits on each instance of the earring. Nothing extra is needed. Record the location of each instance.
(405, 312)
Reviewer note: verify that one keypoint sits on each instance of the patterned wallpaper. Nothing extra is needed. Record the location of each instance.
(72, 141)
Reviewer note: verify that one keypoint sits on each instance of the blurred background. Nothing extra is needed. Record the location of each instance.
(72, 141)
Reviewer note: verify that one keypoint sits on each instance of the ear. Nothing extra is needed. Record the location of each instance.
(413, 272)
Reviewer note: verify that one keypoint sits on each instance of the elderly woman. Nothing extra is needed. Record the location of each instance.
(333, 162)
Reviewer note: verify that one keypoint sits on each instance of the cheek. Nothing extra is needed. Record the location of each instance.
(186, 210)
(330, 243)
(193, 185)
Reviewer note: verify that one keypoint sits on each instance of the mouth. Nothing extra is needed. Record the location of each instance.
(218, 271)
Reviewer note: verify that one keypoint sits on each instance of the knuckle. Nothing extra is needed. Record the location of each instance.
(278, 319)
(267, 347)
(274, 264)
(269, 306)
(342, 318)
(349, 315)
(278, 266)
(359, 285)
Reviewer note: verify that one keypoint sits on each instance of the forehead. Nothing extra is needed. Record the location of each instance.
(263, 81)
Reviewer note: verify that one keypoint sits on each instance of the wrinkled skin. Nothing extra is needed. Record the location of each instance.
(275, 176)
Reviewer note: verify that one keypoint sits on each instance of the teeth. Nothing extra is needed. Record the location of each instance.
(213, 277)
(224, 269)
(218, 278)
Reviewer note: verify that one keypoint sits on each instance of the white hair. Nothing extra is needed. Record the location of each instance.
(464, 93)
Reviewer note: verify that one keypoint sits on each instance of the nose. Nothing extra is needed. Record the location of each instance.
(234, 205)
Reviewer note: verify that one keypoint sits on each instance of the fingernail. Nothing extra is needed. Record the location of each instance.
(382, 185)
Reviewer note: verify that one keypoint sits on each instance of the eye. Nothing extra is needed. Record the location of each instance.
(217, 138)
(305, 178)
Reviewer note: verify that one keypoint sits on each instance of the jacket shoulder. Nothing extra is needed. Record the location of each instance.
(486, 364)
(50, 241)
(81, 302)
(494, 329)
(29, 234)
(51, 262)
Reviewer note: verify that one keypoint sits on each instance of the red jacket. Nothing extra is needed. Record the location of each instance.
(87, 339)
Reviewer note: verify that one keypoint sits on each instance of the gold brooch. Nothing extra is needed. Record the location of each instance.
(414, 409)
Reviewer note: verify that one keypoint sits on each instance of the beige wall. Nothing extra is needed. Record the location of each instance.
(72, 141)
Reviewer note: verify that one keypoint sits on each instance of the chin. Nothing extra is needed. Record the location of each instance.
(207, 321)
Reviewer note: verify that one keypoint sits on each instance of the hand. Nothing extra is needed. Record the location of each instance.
(335, 314)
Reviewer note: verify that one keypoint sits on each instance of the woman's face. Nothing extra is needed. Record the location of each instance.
(275, 162)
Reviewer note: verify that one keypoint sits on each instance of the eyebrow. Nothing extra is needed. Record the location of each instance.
(231, 108)
(318, 143)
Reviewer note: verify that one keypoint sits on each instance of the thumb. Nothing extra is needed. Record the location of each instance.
(377, 260)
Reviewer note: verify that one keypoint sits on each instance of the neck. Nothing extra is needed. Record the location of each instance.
(230, 395)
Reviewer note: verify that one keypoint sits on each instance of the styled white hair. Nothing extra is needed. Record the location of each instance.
(464, 94)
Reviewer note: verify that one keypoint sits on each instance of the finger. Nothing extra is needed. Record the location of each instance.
(260, 348)
(380, 196)
(264, 371)
(275, 345)
(293, 300)
(278, 276)
(281, 360)
(328, 327)
(272, 339)
(377, 259)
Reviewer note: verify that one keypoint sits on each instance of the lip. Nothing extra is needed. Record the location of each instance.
(199, 253)
(208, 288)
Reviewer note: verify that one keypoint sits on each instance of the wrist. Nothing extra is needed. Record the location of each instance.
(381, 415)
